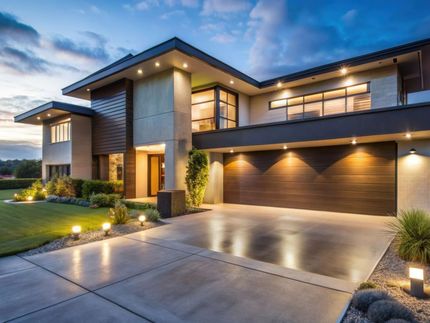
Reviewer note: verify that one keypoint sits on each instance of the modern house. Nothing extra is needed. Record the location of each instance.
(345, 136)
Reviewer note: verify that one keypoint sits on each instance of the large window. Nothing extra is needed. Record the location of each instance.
(60, 132)
(58, 170)
(214, 108)
(342, 100)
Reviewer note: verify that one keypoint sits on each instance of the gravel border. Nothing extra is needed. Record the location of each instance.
(390, 274)
(91, 236)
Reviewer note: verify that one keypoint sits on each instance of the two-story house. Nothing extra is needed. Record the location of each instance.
(339, 137)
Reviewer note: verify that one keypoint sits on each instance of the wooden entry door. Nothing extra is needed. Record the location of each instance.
(156, 169)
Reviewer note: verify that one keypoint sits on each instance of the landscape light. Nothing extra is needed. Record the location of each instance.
(106, 228)
(76, 230)
(412, 151)
(416, 277)
(142, 218)
(29, 198)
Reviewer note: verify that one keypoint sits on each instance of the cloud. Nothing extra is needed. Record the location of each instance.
(12, 29)
(223, 38)
(22, 150)
(213, 7)
(22, 61)
(146, 5)
(175, 13)
(350, 16)
(96, 10)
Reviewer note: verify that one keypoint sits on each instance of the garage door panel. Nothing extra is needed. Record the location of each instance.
(356, 179)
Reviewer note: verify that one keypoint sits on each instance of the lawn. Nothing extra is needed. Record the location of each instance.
(24, 227)
(8, 194)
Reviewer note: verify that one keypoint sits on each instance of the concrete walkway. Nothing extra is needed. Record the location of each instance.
(148, 276)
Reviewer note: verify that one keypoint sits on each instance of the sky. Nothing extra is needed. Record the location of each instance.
(46, 45)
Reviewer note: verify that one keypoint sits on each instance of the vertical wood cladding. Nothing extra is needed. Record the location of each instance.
(113, 127)
(353, 179)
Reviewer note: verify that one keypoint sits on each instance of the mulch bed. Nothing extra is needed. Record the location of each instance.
(390, 274)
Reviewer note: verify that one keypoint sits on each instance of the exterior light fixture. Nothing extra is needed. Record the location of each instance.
(106, 228)
(76, 231)
(231, 82)
(285, 147)
(354, 141)
(38, 118)
(15, 195)
(141, 218)
(185, 65)
(157, 64)
(343, 71)
(412, 151)
(231, 151)
(279, 84)
(408, 135)
(88, 90)
(140, 71)
(48, 114)
(29, 198)
(416, 286)
(43, 190)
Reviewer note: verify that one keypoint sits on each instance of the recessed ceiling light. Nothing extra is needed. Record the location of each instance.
(139, 71)
(343, 71)
(279, 84)
(48, 114)
(157, 64)
(185, 65)
(38, 118)
(285, 147)
(408, 135)
(231, 151)
(354, 141)
(231, 82)
(88, 90)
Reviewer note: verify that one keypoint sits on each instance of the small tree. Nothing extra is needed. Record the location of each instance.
(197, 176)
(29, 169)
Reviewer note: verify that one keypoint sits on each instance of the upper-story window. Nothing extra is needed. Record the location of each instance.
(214, 108)
(342, 100)
(60, 132)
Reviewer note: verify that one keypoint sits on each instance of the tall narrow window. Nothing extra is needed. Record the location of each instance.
(60, 132)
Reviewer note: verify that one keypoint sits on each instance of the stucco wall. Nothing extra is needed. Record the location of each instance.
(243, 109)
(215, 189)
(81, 147)
(413, 171)
(141, 174)
(383, 88)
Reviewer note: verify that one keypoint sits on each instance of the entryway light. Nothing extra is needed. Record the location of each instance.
(157, 64)
(279, 84)
(76, 230)
(185, 65)
(412, 151)
(408, 135)
(106, 228)
(231, 82)
(343, 71)
(285, 147)
(231, 151)
(140, 71)
(354, 141)
(141, 219)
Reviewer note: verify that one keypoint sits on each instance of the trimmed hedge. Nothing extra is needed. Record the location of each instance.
(140, 206)
(90, 187)
(6, 184)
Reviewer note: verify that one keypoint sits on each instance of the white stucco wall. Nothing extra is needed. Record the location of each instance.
(81, 166)
(413, 175)
(141, 174)
(243, 109)
(383, 88)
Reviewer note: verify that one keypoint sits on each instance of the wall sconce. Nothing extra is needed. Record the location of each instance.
(416, 287)
(106, 228)
(76, 231)
(141, 219)
(412, 151)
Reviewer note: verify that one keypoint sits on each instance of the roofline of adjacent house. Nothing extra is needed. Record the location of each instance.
(178, 44)
(72, 108)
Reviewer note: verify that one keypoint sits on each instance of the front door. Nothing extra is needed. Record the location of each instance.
(156, 169)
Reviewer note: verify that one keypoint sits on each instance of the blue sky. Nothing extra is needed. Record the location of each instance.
(45, 46)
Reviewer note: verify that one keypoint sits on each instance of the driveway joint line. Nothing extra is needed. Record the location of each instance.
(16, 271)
(171, 248)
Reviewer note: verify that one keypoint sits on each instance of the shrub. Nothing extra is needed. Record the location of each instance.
(29, 169)
(384, 310)
(102, 199)
(197, 177)
(35, 191)
(90, 187)
(397, 321)
(413, 231)
(77, 186)
(6, 184)
(140, 206)
(152, 215)
(60, 186)
(362, 299)
(367, 285)
(119, 213)
(68, 200)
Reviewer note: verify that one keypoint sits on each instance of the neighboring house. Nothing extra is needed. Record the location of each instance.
(340, 137)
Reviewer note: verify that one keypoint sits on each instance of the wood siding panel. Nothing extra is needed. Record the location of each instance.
(353, 179)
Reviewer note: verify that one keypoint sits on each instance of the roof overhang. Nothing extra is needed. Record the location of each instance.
(384, 124)
(51, 110)
(206, 69)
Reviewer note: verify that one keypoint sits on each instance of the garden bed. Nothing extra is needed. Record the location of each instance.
(91, 236)
(390, 274)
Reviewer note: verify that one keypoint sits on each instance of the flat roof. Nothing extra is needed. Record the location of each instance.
(51, 110)
(179, 45)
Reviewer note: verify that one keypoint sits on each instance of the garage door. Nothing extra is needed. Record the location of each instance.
(353, 179)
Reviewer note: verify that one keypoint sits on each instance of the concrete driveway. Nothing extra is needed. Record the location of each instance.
(232, 264)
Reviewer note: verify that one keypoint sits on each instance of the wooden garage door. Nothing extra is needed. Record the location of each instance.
(353, 179)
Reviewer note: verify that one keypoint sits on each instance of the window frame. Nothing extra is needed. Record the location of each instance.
(58, 129)
(345, 97)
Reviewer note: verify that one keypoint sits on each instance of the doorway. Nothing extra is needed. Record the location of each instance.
(156, 174)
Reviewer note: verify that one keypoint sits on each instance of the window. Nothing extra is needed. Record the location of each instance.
(58, 170)
(347, 99)
(214, 108)
(60, 132)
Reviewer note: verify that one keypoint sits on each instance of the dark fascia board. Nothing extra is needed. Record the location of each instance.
(381, 121)
(72, 108)
(178, 44)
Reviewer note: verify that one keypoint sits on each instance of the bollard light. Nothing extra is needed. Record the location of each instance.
(416, 276)
(76, 231)
(106, 228)
(142, 218)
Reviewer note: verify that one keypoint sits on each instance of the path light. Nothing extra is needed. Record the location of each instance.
(15, 195)
(106, 228)
(141, 218)
(29, 198)
(416, 276)
(76, 231)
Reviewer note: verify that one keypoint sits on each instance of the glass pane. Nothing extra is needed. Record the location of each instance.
(203, 125)
(231, 112)
(52, 134)
(223, 95)
(203, 96)
(334, 106)
(294, 101)
(231, 124)
(231, 99)
(334, 94)
(202, 111)
(313, 97)
(223, 123)
(295, 112)
(359, 102)
(278, 104)
(356, 89)
(313, 110)
(223, 109)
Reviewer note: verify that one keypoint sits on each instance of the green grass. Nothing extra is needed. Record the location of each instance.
(8, 194)
(24, 227)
